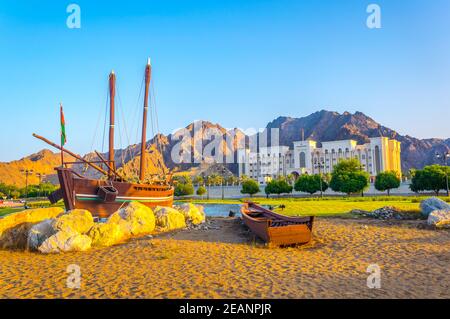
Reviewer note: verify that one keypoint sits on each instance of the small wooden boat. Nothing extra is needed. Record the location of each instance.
(277, 229)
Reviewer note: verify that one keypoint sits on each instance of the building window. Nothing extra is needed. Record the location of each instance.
(377, 159)
(302, 160)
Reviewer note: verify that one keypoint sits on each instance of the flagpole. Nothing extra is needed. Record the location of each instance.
(61, 139)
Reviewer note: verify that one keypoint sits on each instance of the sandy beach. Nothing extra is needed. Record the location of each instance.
(226, 261)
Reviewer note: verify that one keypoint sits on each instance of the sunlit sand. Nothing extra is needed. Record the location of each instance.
(225, 261)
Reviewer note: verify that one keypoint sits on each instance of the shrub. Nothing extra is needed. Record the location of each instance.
(278, 187)
(348, 177)
(201, 191)
(310, 184)
(430, 178)
(184, 189)
(386, 181)
(250, 187)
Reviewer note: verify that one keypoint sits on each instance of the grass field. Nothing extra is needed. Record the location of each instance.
(6, 211)
(327, 206)
(334, 207)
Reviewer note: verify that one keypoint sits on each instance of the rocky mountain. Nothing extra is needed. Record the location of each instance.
(327, 126)
(162, 156)
(42, 162)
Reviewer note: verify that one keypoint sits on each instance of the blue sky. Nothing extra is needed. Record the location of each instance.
(239, 63)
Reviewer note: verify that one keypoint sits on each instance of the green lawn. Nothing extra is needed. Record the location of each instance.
(335, 207)
(327, 206)
(6, 211)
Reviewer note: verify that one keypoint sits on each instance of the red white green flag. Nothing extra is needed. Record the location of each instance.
(63, 127)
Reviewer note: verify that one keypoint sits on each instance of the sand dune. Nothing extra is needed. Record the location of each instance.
(228, 263)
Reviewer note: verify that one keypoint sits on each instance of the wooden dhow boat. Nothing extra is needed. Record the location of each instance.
(276, 229)
(104, 196)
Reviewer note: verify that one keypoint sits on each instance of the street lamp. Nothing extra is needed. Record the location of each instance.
(320, 165)
(223, 182)
(26, 172)
(444, 157)
(40, 176)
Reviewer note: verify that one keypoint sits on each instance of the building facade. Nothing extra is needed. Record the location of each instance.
(379, 155)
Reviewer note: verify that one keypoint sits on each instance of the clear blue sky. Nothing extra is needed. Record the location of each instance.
(238, 63)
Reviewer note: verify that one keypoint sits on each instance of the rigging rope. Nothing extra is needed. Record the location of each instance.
(158, 144)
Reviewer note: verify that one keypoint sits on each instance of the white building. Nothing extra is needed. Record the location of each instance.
(379, 155)
(265, 165)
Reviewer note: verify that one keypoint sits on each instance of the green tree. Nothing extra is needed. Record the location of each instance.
(201, 191)
(15, 194)
(198, 180)
(278, 186)
(348, 177)
(310, 183)
(183, 179)
(250, 187)
(385, 181)
(184, 189)
(430, 178)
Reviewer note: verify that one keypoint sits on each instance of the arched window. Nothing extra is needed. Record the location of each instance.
(302, 160)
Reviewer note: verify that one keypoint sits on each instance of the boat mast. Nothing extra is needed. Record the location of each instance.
(112, 93)
(148, 71)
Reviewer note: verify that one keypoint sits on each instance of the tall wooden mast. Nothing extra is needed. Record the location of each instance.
(148, 72)
(112, 93)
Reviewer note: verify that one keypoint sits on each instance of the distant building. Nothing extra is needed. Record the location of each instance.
(379, 155)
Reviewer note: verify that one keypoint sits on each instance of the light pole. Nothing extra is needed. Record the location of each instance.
(320, 165)
(26, 172)
(445, 156)
(208, 180)
(223, 182)
(40, 176)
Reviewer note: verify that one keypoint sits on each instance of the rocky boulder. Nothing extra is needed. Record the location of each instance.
(439, 218)
(106, 234)
(168, 218)
(39, 233)
(431, 204)
(15, 237)
(134, 220)
(192, 213)
(28, 216)
(76, 220)
(65, 241)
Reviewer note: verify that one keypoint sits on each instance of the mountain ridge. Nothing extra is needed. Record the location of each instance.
(321, 126)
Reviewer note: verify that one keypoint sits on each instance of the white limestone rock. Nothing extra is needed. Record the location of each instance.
(431, 204)
(439, 218)
(39, 233)
(65, 241)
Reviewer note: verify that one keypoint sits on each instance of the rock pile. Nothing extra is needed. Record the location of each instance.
(50, 230)
(385, 213)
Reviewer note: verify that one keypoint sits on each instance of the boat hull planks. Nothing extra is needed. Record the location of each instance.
(83, 193)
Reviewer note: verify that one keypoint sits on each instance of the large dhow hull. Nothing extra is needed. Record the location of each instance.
(102, 198)
(276, 229)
